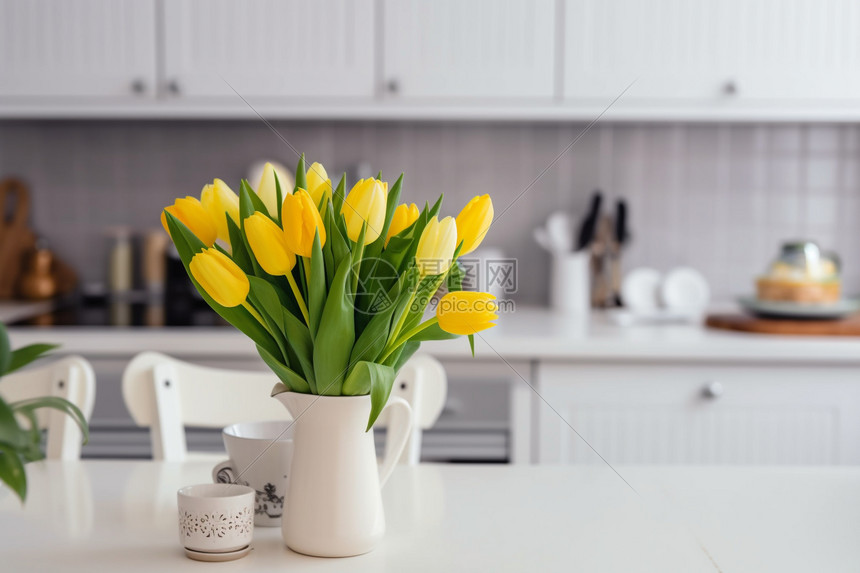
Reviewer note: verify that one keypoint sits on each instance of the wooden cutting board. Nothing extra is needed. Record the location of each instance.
(849, 326)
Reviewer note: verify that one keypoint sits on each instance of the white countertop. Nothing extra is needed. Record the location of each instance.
(527, 334)
(121, 515)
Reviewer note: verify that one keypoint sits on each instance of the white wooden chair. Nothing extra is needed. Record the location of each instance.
(71, 378)
(166, 394)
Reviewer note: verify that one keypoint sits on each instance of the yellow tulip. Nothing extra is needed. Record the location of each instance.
(196, 218)
(464, 312)
(220, 277)
(365, 203)
(267, 191)
(269, 245)
(319, 185)
(474, 221)
(218, 199)
(436, 246)
(404, 215)
(301, 221)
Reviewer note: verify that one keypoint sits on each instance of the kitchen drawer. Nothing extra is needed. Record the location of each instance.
(699, 414)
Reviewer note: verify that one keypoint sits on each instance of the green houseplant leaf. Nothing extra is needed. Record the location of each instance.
(334, 340)
(57, 403)
(12, 471)
(27, 354)
(5, 350)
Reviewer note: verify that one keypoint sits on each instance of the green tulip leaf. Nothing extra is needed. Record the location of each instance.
(187, 244)
(12, 471)
(265, 301)
(300, 342)
(255, 201)
(381, 380)
(437, 206)
(56, 403)
(24, 356)
(316, 286)
(372, 339)
(337, 199)
(336, 335)
(286, 375)
(340, 247)
(279, 197)
(403, 354)
(328, 256)
(240, 254)
(301, 175)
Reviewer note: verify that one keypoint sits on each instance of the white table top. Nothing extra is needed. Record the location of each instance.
(121, 515)
(526, 334)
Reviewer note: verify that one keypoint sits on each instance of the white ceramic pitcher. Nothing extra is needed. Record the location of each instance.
(333, 497)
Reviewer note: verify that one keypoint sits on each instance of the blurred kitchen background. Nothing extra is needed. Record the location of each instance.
(727, 127)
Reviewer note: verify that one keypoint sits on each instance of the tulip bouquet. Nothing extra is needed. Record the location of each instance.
(331, 287)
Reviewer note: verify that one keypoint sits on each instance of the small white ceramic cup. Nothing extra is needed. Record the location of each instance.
(216, 517)
(260, 456)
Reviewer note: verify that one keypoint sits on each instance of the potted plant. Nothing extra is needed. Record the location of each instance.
(20, 438)
(332, 287)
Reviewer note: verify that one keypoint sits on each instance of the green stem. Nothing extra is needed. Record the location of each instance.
(396, 332)
(256, 315)
(405, 338)
(299, 299)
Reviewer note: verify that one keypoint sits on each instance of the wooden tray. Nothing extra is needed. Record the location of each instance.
(849, 326)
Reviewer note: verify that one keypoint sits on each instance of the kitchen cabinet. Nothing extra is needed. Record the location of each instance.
(78, 49)
(276, 49)
(704, 413)
(714, 54)
(452, 49)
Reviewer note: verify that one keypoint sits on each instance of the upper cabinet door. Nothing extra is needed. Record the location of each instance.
(77, 47)
(322, 48)
(713, 50)
(469, 48)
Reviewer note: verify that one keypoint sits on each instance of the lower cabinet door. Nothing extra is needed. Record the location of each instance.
(698, 414)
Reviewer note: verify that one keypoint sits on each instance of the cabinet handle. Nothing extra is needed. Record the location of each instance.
(713, 390)
(173, 88)
(730, 88)
(138, 86)
(392, 86)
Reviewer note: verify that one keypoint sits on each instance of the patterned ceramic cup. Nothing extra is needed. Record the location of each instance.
(216, 518)
(260, 456)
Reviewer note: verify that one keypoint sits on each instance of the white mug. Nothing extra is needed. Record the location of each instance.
(260, 456)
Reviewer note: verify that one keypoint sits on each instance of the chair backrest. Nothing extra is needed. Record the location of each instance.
(423, 384)
(166, 394)
(71, 378)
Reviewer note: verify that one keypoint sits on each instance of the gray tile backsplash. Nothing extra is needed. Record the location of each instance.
(716, 197)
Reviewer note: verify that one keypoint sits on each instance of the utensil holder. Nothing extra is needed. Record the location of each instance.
(570, 282)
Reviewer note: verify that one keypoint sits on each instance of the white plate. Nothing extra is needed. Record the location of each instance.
(685, 290)
(777, 309)
(640, 290)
